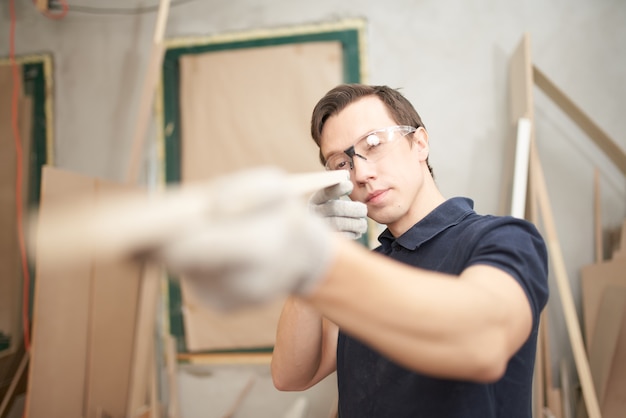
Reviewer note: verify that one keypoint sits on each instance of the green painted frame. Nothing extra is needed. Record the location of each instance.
(349, 33)
(37, 83)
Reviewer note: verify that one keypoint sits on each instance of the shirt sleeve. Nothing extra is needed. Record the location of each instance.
(516, 246)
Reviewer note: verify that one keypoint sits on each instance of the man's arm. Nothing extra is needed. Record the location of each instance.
(305, 349)
(465, 327)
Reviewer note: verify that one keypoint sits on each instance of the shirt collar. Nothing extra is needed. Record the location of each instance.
(448, 214)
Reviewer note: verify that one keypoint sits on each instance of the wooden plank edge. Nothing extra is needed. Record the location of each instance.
(225, 358)
(599, 137)
(565, 293)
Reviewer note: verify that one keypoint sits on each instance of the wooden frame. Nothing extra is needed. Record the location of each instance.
(36, 81)
(349, 33)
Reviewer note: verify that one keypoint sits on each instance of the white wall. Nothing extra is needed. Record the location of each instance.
(450, 57)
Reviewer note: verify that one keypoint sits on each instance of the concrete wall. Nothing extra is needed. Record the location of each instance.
(450, 57)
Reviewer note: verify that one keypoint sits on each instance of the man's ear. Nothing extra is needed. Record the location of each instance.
(420, 138)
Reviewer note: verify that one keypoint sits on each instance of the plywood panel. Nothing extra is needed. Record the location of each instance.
(603, 349)
(614, 402)
(252, 106)
(114, 295)
(208, 329)
(244, 108)
(60, 316)
(596, 278)
(84, 319)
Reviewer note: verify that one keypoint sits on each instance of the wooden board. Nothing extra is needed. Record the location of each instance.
(523, 200)
(614, 402)
(239, 109)
(620, 251)
(84, 320)
(603, 346)
(60, 317)
(521, 82)
(113, 302)
(595, 279)
(563, 283)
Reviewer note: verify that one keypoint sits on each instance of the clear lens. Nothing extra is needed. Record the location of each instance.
(339, 162)
(371, 147)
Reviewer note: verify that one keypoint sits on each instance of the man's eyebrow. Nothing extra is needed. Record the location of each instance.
(354, 141)
(333, 152)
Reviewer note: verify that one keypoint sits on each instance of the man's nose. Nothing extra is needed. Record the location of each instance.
(362, 169)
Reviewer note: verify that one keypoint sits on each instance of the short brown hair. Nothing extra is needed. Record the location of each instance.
(338, 98)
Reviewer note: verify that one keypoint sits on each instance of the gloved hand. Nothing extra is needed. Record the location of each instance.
(345, 216)
(258, 243)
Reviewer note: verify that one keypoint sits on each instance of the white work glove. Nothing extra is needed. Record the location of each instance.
(345, 216)
(259, 242)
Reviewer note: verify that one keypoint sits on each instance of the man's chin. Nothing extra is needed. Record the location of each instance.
(381, 216)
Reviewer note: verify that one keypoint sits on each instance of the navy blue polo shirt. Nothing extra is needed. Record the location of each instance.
(450, 239)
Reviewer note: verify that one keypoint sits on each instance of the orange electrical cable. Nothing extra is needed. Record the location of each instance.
(18, 179)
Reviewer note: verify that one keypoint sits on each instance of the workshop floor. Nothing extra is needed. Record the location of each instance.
(246, 391)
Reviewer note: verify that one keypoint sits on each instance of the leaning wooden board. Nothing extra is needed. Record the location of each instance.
(605, 355)
(83, 320)
(595, 280)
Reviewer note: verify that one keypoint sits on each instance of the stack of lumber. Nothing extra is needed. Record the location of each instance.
(603, 286)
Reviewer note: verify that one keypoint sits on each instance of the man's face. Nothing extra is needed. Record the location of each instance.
(389, 186)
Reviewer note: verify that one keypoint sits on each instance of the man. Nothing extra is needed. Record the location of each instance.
(439, 321)
(454, 337)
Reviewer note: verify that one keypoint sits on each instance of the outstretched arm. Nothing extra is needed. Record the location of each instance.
(463, 327)
(305, 349)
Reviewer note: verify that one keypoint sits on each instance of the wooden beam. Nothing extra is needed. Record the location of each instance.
(225, 358)
(563, 284)
(173, 404)
(521, 82)
(148, 89)
(610, 148)
(143, 346)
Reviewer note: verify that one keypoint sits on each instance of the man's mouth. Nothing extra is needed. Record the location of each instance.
(374, 196)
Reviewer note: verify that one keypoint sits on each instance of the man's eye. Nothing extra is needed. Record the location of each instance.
(341, 165)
